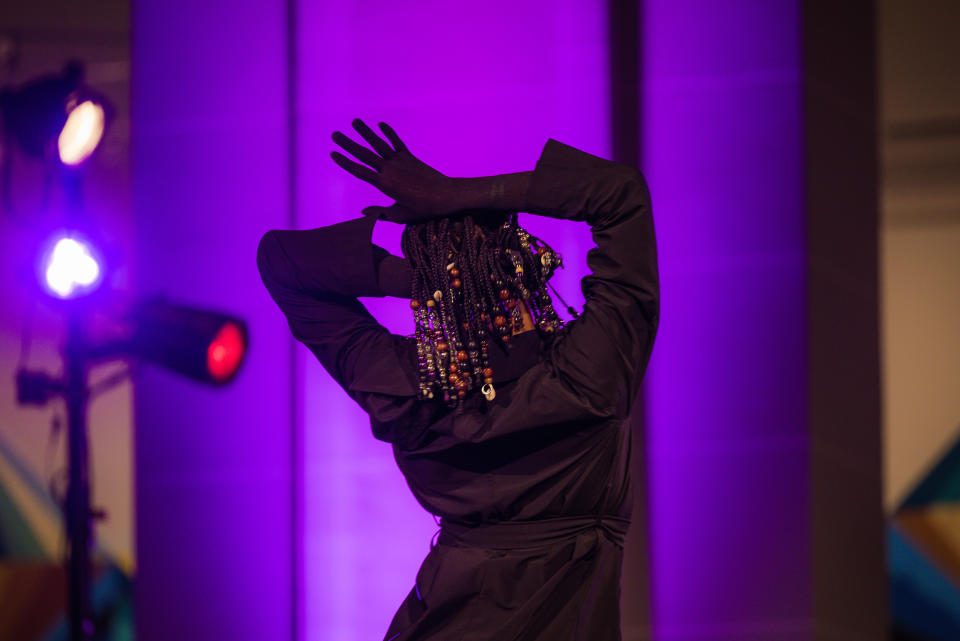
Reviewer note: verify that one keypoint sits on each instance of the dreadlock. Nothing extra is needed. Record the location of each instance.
(468, 286)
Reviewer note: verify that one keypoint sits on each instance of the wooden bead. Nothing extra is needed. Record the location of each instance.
(488, 380)
(461, 385)
(430, 303)
(487, 372)
(500, 320)
(456, 284)
(453, 367)
(455, 272)
(442, 346)
(504, 294)
(414, 304)
(461, 393)
(453, 378)
(462, 356)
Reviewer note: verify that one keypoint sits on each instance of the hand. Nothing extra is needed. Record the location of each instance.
(421, 191)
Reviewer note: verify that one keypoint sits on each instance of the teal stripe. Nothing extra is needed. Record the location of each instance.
(32, 482)
(17, 539)
(941, 484)
(112, 602)
(922, 599)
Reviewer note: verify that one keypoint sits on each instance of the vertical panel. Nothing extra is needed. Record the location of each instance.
(850, 586)
(624, 29)
(727, 383)
(213, 466)
(473, 89)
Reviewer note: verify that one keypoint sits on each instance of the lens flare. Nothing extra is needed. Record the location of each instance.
(71, 268)
(82, 132)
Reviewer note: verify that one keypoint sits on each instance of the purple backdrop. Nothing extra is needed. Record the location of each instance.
(210, 175)
(727, 383)
(473, 89)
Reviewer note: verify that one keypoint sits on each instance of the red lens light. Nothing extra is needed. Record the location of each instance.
(225, 352)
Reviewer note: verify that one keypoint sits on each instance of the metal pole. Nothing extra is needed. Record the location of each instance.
(77, 508)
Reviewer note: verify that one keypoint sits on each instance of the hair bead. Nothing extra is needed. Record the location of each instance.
(467, 287)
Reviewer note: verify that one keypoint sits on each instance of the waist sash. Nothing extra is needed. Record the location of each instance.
(535, 533)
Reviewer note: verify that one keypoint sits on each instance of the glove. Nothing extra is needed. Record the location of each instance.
(421, 192)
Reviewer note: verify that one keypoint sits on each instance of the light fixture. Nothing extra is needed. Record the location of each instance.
(204, 345)
(56, 116)
(71, 267)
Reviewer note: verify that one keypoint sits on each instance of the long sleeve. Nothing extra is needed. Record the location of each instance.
(315, 277)
(602, 354)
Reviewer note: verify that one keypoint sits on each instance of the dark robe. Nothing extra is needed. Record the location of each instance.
(533, 488)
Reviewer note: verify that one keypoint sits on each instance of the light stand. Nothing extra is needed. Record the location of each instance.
(77, 508)
(57, 118)
(206, 346)
(37, 388)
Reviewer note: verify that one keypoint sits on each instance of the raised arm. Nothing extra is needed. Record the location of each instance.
(603, 354)
(315, 277)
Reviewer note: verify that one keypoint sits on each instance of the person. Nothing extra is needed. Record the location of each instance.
(508, 424)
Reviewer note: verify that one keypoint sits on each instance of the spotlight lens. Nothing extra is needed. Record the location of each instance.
(71, 268)
(82, 133)
(225, 352)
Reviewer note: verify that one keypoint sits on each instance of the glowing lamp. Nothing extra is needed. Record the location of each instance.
(71, 268)
(201, 344)
(56, 113)
(81, 133)
(225, 352)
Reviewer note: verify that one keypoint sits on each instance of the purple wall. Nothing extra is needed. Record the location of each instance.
(473, 89)
(727, 382)
(210, 175)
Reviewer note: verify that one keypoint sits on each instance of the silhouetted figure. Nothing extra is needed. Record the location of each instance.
(507, 423)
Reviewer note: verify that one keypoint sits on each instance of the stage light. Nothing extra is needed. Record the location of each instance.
(203, 345)
(71, 268)
(82, 132)
(56, 114)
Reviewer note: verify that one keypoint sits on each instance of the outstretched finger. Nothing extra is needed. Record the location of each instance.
(358, 170)
(359, 151)
(375, 141)
(393, 137)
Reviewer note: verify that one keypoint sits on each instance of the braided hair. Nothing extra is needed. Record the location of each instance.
(470, 275)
